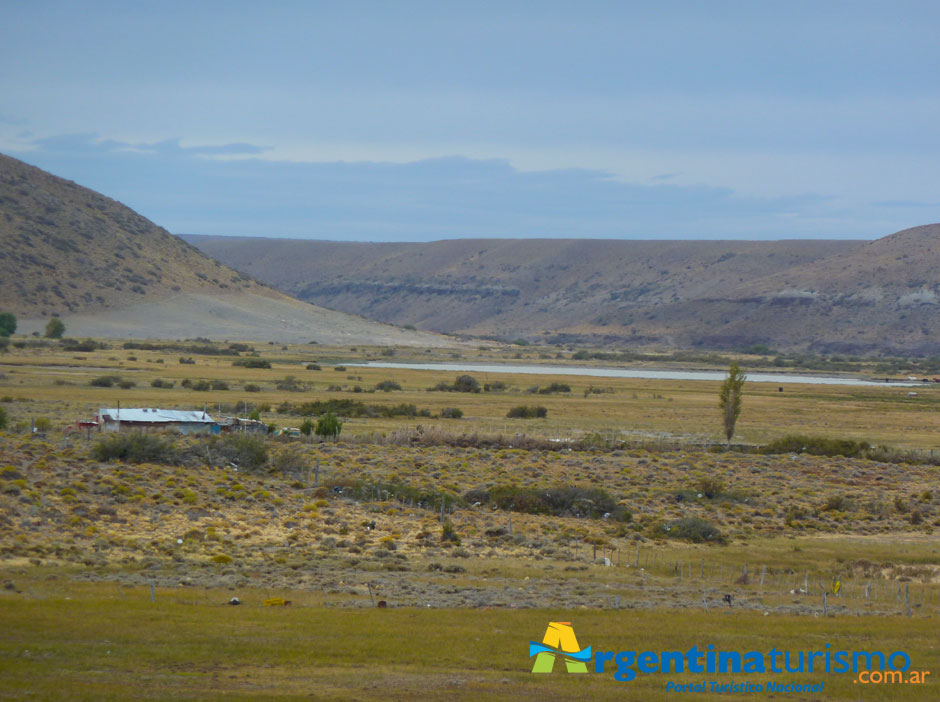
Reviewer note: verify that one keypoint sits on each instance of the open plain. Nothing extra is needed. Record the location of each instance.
(621, 507)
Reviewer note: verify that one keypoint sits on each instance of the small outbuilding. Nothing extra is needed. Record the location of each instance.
(148, 419)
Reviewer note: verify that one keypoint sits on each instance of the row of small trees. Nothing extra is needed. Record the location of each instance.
(55, 327)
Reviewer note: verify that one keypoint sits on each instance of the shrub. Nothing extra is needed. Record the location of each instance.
(495, 386)
(353, 408)
(55, 328)
(251, 362)
(817, 446)
(525, 412)
(160, 383)
(553, 388)
(251, 387)
(245, 451)
(837, 503)
(387, 386)
(463, 383)
(187, 361)
(219, 385)
(341, 369)
(710, 487)
(329, 425)
(201, 385)
(135, 448)
(290, 384)
(126, 384)
(289, 460)
(4, 420)
(560, 501)
(306, 427)
(451, 413)
(694, 529)
(466, 383)
(449, 533)
(83, 346)
(313, 366)
(104, 381)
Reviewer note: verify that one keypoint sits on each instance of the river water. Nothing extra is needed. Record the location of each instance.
(778, 378)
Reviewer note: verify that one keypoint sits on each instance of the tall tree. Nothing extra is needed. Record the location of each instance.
(329, 426)
(7, 323)
(729, 400)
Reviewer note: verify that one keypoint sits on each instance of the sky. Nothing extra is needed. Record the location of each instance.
(416, 121)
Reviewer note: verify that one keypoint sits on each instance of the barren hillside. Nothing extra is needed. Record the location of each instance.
(821, 296)
(107, 271)
(715, 294)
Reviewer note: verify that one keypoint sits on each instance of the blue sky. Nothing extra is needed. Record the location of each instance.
(426, 120)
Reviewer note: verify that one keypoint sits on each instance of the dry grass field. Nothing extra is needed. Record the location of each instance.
(619, 511)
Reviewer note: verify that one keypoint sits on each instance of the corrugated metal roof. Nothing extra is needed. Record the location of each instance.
(146, 414)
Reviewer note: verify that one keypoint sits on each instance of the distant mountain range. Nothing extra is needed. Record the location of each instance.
(837, 297)
(107, 271)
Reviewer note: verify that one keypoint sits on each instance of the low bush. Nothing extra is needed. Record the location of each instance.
(694, 529)
(550, 389)
(135, 448)
(353, 408)
(526, 412)
(560, 501)
(245, 451)
(80, 346)
(451, 413)
(251, 362)
(104, 381)
(387, 386)
(463, 383)
(290, 384)
(160, 383)
(449, 533)
(817, 446)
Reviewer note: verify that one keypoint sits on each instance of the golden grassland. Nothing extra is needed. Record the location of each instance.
(106, 644)
(81, 541)
(54, 383)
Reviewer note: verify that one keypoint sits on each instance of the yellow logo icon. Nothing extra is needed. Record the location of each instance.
(559, 641)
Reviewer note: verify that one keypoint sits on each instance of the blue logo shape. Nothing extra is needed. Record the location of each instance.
(583, 655)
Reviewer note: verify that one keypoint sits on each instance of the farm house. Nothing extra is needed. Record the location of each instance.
(157, 420)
